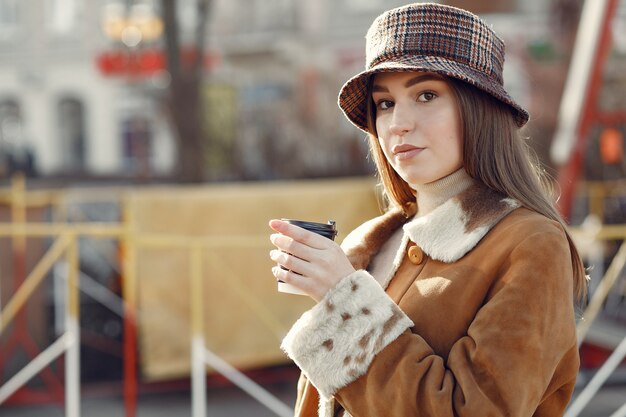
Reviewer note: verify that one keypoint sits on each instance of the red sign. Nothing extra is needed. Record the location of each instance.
(143, 62)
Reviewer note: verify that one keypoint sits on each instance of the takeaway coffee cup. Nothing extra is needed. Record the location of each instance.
(328, 230)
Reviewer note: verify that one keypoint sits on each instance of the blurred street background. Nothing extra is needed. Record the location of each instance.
(144, 144)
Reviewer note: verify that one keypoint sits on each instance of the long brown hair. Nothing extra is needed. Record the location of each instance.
(494, 153)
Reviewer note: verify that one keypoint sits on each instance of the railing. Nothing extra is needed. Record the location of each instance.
(618, 355)
(65, 247)
(68, 343)
(596, 193)
(66, 243)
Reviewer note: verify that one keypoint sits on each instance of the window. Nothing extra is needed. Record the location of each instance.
(10, 123)
(63, 16)
(137, 145)
(71, 128)
(16, 153)
(9, 18)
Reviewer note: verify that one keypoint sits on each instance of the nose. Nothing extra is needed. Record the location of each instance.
(403, 120)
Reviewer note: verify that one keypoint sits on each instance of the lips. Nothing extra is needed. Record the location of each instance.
(405, 151)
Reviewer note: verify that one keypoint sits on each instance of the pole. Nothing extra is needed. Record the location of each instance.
(130, 308)
(72, 326)
(198, 370)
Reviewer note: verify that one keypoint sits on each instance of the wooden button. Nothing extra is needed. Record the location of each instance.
(416, 255)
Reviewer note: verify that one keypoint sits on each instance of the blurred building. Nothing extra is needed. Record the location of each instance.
(75, 118)
(87, 94)
(287, 60)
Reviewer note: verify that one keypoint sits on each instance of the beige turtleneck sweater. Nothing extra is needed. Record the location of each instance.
(433, 194)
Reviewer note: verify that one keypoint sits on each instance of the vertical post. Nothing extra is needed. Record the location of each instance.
(579, 108)
(19, 217)
(72, 327)
(18, 254)
(18, 208)
(198, 369)
(59, 215)
(18, 241)
(128, 255)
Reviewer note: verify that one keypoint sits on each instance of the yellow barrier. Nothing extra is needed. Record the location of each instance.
(199, 250)
(135, 237)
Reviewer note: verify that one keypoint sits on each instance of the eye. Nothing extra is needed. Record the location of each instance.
(426, 96)
(384, 104)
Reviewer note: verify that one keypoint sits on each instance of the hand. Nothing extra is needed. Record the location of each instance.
(314, 263)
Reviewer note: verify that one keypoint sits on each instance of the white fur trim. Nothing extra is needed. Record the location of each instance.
(326, 407)
(443, 233)
(335, 342)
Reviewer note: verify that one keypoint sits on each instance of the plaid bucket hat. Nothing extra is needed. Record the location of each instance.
(435, 38)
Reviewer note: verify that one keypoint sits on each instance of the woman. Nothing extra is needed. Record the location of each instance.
(459, 301)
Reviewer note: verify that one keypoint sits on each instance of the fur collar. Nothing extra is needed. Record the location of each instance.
(445, 234)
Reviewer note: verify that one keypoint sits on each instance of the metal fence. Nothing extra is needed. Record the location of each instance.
(64, 249)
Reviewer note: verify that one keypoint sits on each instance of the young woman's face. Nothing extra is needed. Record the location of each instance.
(418, 125)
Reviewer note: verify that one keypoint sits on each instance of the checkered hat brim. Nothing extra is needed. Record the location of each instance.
(433, 38)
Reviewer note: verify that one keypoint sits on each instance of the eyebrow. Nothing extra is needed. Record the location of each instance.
(410, 82)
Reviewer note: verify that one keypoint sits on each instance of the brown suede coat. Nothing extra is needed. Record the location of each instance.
(489, 326)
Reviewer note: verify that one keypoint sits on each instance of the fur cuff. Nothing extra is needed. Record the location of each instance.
(335, 342)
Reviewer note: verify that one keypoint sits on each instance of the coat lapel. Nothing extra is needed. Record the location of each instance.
(446, 234)
(454, 228)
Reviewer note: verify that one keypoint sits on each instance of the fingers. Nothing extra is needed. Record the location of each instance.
(311, 262)
(298, 281)
(296, 246)
(289, 277)
(291, 262)
(292, 246)
(299, 234)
